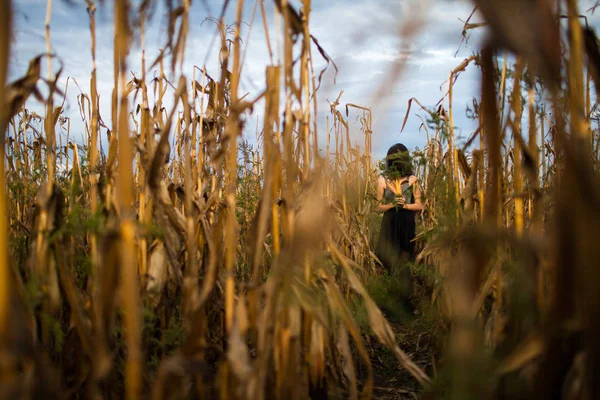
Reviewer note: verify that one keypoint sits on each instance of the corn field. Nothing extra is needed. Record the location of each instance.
(184, 262)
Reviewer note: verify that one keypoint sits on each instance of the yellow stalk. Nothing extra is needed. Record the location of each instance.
(94, 138)
(60, 146)
(305, 90)
(518, 187)
(588, 108)
(503, 85)
(517, 150)
(200, 163)
(576, 91)
(194, 141)
(481, 175)
(129, 285)
(230, 227)
(266, 28)
(191, 271)
(543, 145)
(493, 141)
(5, 287)
(534, 209)
(50, 135)
(146, 139)
(452, 144)
(43, 263)
(275, 218)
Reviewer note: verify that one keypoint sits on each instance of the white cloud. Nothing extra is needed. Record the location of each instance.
(360, 36)
(385, 55)
(437, 57)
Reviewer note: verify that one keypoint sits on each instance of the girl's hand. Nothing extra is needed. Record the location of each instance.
(400, 201)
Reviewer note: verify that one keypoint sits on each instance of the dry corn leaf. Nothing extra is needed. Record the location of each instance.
(510, 23)
(156, 278)
(17, 92)
(593, 53)
(526, 352)
(348, 364)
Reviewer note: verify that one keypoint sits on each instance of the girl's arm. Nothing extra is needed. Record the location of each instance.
(381, 208)
(418, 205)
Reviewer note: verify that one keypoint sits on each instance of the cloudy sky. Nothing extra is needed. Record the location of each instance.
(363, 37)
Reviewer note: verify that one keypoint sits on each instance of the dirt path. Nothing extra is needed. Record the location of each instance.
(391, 380)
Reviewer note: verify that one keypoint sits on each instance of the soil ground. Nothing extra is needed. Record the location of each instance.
(416, 337)
(392, 381)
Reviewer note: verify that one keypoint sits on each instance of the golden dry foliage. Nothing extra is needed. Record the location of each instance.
(181, 262)
(517, 277)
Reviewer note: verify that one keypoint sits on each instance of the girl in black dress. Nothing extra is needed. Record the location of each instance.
(399, 198)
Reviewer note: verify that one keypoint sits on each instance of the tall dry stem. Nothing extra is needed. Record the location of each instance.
(232, 132)
(128, 260)
(6, 29)
(575, 68)
(517, 149)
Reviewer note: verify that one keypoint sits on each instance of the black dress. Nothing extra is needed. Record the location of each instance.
(398, 228)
